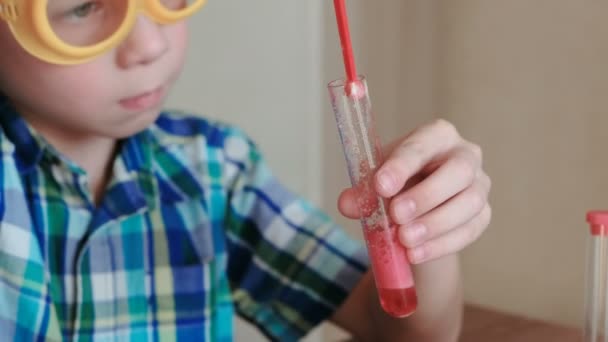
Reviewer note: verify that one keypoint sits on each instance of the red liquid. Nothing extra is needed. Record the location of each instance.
(398, 302)
(392, 271)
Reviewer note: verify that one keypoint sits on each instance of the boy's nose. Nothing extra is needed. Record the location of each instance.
(145, 44)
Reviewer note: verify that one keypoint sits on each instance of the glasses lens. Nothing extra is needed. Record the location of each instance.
(177, 5)
(86, 22)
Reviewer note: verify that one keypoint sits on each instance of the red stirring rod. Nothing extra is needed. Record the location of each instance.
(347, 47)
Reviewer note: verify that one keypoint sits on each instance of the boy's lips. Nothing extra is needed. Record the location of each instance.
(144, 101)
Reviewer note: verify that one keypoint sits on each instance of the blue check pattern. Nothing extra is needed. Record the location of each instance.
(193, 229)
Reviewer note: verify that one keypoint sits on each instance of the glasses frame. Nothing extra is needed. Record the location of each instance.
(29, 24)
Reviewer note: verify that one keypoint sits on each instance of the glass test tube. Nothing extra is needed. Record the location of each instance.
(596, 293)
(391, 268)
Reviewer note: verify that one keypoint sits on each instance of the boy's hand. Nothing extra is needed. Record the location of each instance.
(438, 191)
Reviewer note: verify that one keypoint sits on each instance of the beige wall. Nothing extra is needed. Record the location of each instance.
(528, 81)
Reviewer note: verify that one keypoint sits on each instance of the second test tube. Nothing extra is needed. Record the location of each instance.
(392, 272)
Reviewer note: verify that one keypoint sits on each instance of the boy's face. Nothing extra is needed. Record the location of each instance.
(114, 95)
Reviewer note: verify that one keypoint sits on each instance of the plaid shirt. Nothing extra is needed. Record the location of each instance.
(192, 228)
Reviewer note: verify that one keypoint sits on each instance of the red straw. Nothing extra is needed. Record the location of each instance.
(347, 47)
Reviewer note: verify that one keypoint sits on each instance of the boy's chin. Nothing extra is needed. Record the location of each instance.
(133, 125)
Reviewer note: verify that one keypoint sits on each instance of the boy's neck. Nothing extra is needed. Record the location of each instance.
(94, 154)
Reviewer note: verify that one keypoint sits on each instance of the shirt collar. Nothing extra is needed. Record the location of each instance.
(29, 149)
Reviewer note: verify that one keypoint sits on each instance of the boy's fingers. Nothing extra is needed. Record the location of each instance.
(347, 204)
(453, 241)
(411, 155)
(457, 173)
(454, 213)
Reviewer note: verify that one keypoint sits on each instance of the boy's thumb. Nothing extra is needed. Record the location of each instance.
(347, 204)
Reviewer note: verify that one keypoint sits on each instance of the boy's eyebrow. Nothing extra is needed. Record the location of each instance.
(59, 2)
(65, 3)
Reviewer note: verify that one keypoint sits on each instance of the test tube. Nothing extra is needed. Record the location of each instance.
(390, 265)
(596, 295)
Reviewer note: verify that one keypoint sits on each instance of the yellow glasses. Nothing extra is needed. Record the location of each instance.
(75, 31)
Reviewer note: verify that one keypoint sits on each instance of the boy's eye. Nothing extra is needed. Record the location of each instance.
(84, 10)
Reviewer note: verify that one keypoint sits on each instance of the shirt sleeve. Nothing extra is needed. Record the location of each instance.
(289, 265)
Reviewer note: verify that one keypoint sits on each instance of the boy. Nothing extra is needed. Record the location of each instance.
(122, 222)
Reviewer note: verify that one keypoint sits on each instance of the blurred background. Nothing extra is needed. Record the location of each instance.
(524, 79)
